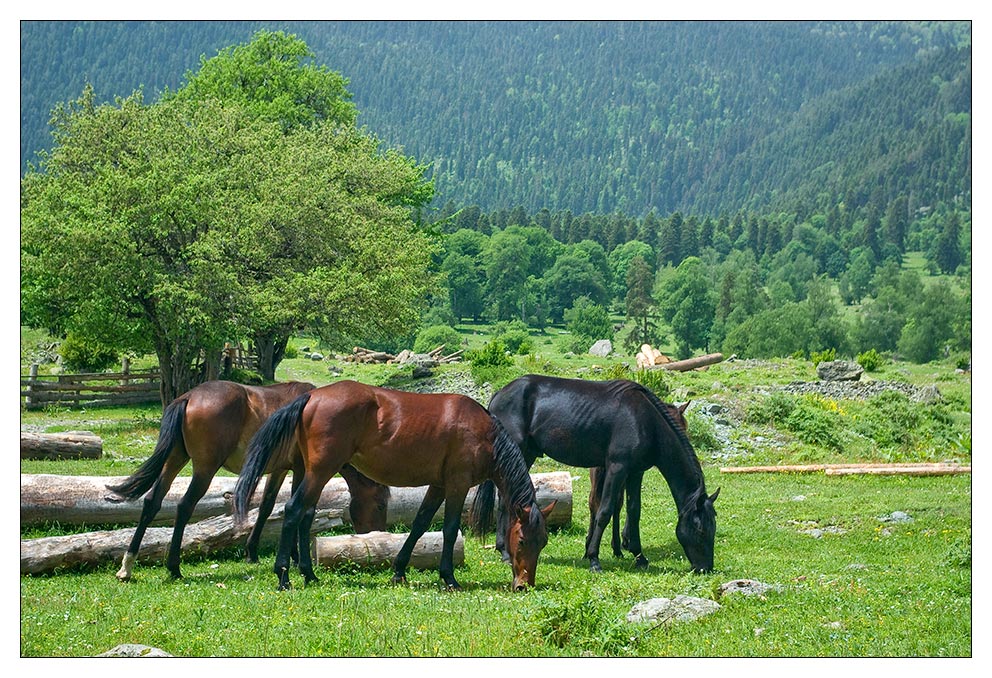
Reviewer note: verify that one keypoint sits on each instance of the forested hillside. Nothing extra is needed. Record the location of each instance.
(629, 117)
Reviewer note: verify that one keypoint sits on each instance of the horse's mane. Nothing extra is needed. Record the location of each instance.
(687, 448)
(511, 469)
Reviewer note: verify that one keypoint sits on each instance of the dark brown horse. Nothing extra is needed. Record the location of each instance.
(622, 427)
(596, 476)
(448, 442)
(211, 425)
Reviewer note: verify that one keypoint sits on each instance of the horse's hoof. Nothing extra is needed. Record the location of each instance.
(175, 575)
(453, 585)
(505, 557)
(594, 566)
(287, 586)
(399, 579)
(309, 578)
(641, 563)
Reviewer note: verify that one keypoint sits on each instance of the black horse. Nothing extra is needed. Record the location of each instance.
(623, 427)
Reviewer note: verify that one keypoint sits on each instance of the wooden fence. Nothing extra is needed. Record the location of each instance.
(127, 387)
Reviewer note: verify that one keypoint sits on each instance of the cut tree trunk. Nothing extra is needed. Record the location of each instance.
(94, 548)
(691, 363)
(853, 469)
(377, 549)
(69, 445)
(75, 500)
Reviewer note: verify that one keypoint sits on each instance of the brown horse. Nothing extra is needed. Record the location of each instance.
(596, 476)
(211, 425)
(448, 442)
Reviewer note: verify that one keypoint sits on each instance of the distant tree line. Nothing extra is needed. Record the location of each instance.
(751, 284)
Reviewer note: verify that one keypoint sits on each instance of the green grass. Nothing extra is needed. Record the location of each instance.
(875, 590)
(865, 588)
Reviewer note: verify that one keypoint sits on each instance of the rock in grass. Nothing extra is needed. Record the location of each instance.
(670, 610)
(746, 587)
(134, 650)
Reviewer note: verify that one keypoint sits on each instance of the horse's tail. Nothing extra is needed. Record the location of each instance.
(481, 517)
(275, 434)
(170, 432)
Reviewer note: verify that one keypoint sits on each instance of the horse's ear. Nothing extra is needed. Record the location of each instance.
(684, 407)
(521, 513)
(546, 511)
(715, 495)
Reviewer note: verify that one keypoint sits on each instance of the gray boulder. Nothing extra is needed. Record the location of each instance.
(134, 650)
(839, 370)
(669, 610)
(601, 348)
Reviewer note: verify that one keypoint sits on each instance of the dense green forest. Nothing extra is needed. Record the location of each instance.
(766, 189)
(601, 117)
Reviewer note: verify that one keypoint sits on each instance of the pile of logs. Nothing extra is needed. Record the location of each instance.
(86, 500)
(649, 356)
(366, 356)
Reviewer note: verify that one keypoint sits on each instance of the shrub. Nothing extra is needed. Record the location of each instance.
(242, 376)
(290, 353)
(492, 354)
(824, 356)
(84, 355)
(431, 337)
(871, 360)
(515, 337)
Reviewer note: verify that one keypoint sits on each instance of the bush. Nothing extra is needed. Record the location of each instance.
(492, 354)
(431, 337)
(82, 355)
(515, 337)
(290, 353)
(870, 360)
(824, 356)
(588, 321)
(243, 376)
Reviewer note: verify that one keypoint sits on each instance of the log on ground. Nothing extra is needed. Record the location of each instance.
(854, 468)
(47, 554)
(77, 500)
(69, 445)
(691, 363)
(378, 549)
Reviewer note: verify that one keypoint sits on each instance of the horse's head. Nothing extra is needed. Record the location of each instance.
(526, 536)
(696, 531)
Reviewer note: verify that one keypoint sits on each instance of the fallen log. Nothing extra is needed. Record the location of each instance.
(378, 549)
(690, 364)
(206, 536)
(76, 500)
(935, 470)
(68, 445)
(850, 469)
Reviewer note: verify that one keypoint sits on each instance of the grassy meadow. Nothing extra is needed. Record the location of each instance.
(848, 581)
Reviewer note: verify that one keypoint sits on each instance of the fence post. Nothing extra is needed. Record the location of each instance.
(32, 376)
(126, 370)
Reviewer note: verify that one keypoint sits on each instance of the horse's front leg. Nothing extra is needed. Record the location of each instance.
(612, 486)
(428, 507)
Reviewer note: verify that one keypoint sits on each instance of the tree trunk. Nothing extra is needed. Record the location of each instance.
(378, 549)
(75, 500)
(93, 548)
(68, 445)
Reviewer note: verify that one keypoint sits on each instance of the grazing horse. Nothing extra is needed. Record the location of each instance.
(624, 428)
(448, 442)
(596, 495)
(211, 425)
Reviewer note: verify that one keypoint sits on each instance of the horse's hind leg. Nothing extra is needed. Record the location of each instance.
(595, 498)
(272, 486)
(632, 529)
(304, 499)
(428, 507)
(453, 504)
(612, 485)
(198, 486)
(150, 508)
(305, 558)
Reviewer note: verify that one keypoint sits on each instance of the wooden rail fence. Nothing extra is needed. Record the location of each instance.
(127, 387)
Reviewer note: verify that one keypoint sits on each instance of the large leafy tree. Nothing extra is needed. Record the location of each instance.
(688, 302)
(199, 219)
